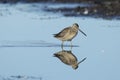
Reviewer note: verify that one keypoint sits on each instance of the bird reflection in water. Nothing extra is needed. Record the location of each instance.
(68, 58)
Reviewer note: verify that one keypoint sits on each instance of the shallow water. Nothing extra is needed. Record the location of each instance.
(27, 45)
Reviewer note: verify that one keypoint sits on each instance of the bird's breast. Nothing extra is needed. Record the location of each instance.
(70, 35)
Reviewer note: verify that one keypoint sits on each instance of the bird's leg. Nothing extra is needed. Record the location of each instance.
(71, 44)
(62, 44)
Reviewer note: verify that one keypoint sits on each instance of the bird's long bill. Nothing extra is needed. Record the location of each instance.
(82, 60)
(82, 32)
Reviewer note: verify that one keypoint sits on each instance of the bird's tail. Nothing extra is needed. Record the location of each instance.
(55, 35)
(56, 55)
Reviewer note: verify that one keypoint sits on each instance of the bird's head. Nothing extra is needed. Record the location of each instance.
(75, 66)
(75, 25)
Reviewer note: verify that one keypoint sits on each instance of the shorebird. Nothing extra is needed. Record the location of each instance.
(68, 33)
(68, 58)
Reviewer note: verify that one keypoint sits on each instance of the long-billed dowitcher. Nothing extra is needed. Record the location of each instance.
(67, 34)
(68, 58)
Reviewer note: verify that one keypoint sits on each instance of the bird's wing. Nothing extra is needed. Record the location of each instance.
(69, 52)
(62, 33)
(62, 58)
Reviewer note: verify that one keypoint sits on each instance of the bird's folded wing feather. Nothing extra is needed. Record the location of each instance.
(62, 33)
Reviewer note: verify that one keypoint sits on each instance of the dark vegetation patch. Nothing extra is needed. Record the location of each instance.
(102, 8)
(108, 9)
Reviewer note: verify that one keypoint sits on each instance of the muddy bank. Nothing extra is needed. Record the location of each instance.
(107, 10)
